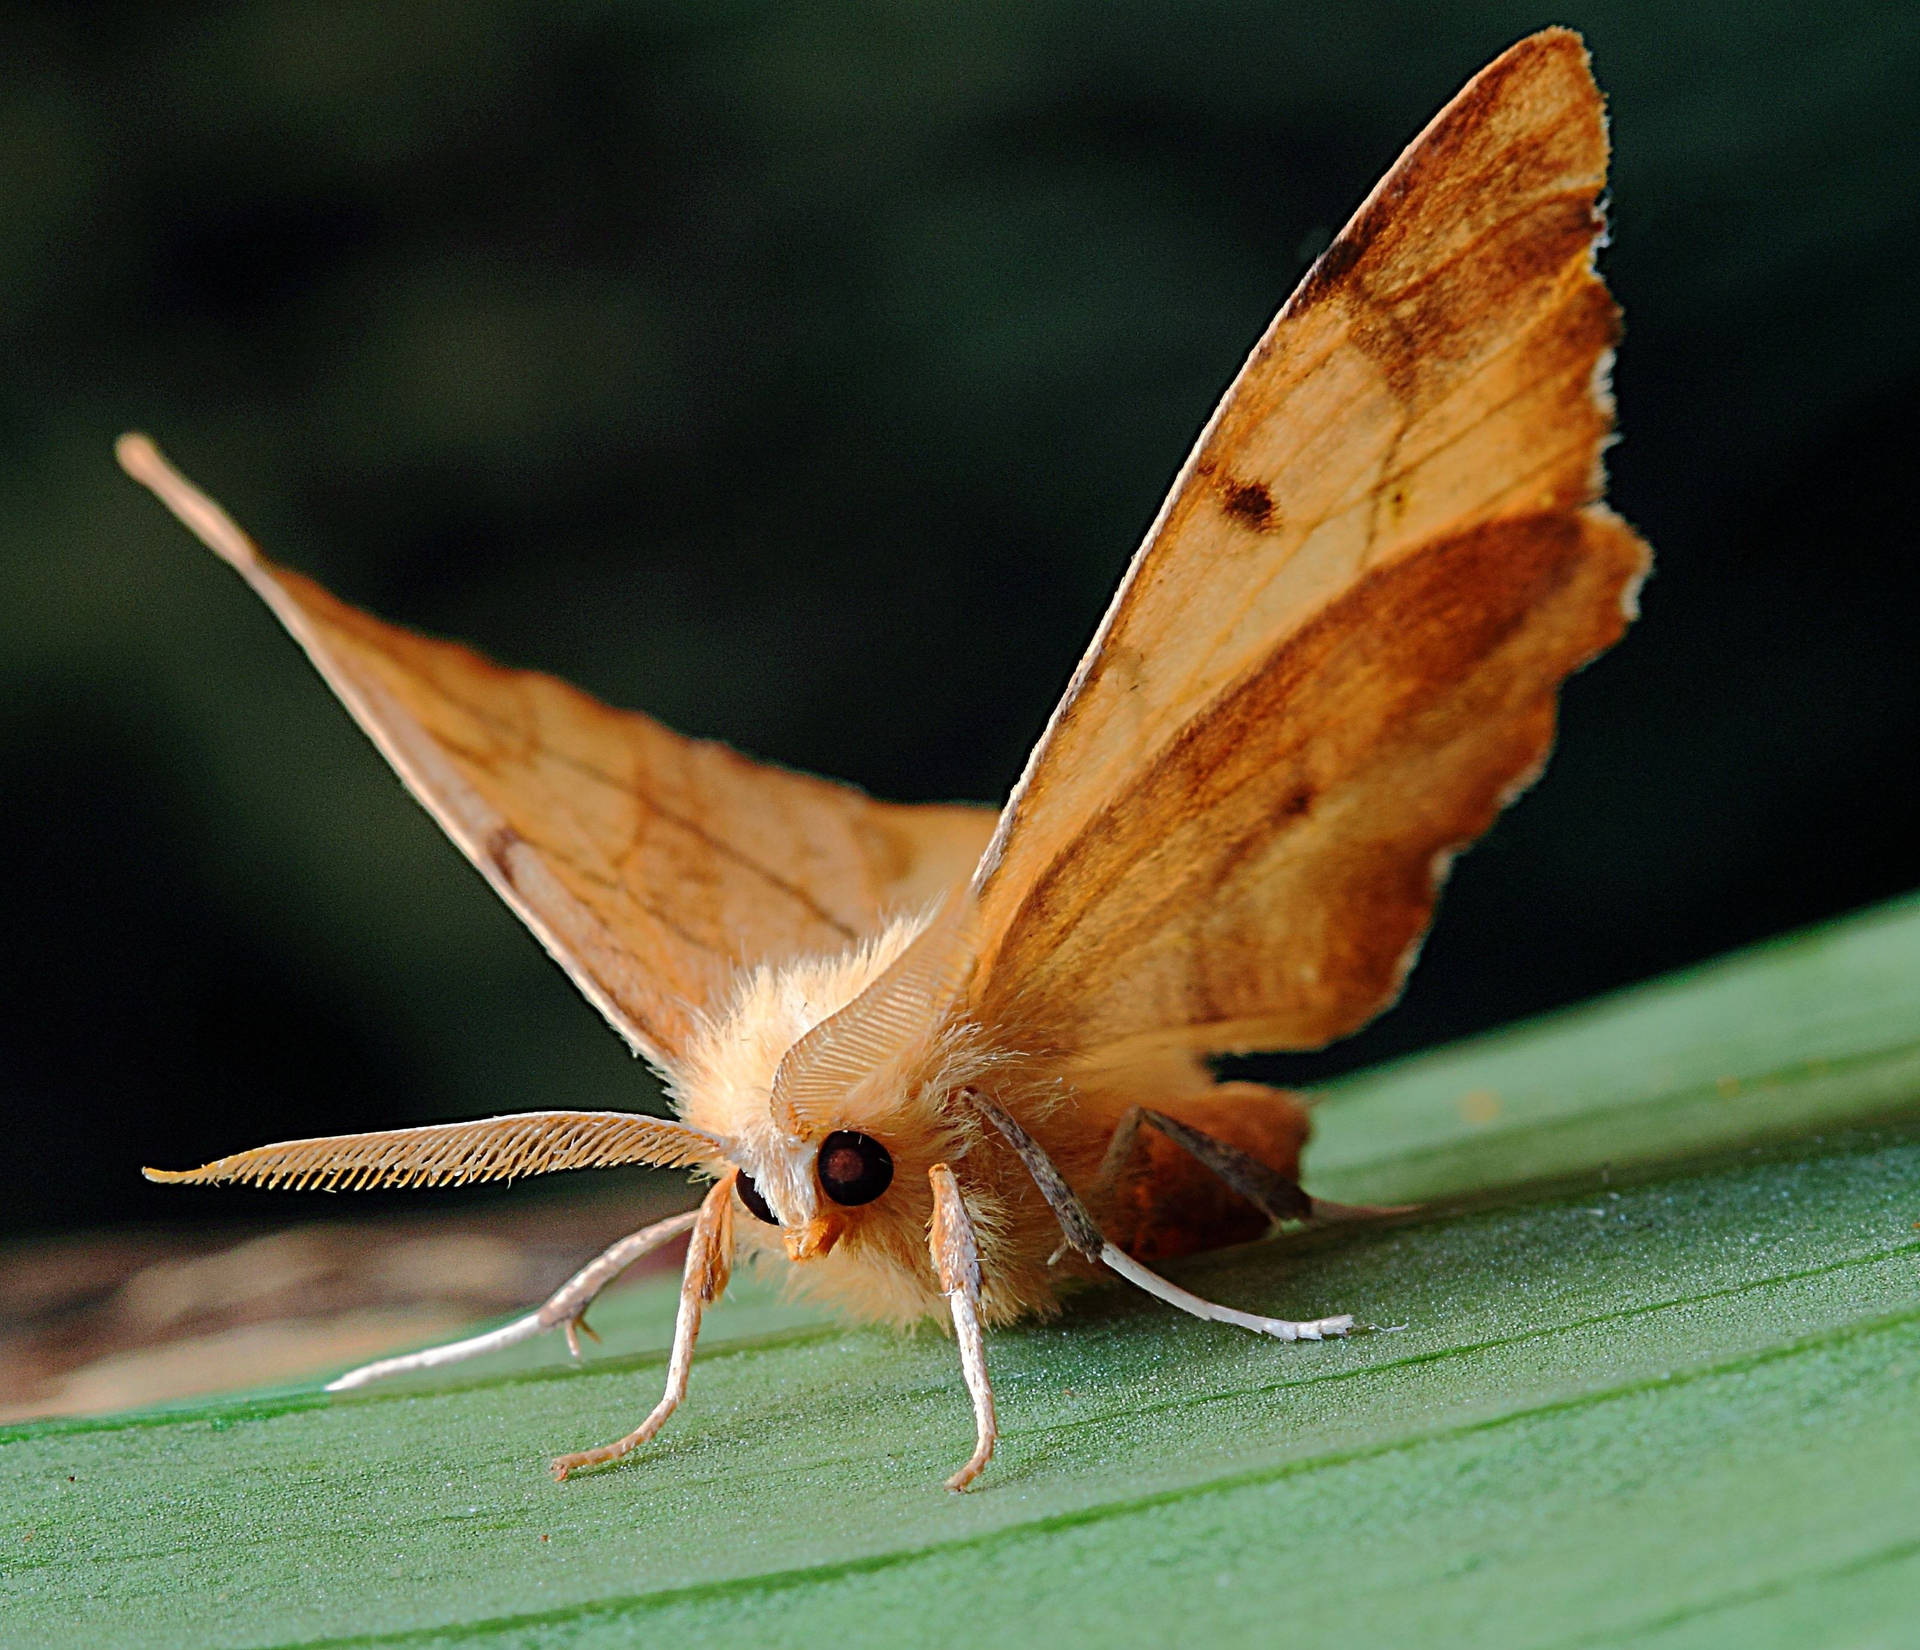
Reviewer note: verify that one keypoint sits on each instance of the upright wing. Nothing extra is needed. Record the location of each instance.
(648, 864)
(1336, 656)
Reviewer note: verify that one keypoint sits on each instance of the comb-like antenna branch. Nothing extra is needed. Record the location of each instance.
(456, 1154)
(914, 994)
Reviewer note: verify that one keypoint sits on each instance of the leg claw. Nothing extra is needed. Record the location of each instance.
(575, 1327)
(1322, 1328)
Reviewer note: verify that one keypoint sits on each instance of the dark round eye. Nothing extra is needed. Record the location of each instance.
(854, 1168)
(750, 1196)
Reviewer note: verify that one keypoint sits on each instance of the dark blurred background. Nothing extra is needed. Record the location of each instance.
(805, 376)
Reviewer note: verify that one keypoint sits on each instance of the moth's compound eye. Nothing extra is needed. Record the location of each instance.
(750, 1196)
(854, 1168)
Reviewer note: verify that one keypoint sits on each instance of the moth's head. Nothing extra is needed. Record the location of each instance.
(813, 1191)
(827, 1078)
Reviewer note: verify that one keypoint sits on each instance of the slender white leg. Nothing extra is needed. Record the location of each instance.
(709, 1263)
(956, 1258)
(566, 1307)
(1085, 1236)
(1281, 1329)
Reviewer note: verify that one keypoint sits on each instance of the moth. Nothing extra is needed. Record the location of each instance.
(941, 1061)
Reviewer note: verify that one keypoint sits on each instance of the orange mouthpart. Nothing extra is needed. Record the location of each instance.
(816, 1237)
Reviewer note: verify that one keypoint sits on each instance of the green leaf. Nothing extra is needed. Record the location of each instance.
(1662, 1403)
(1817, 1028)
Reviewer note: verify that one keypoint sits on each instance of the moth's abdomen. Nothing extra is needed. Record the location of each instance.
(1169, 1204)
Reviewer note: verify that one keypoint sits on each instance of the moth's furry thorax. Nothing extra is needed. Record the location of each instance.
(723, 1082)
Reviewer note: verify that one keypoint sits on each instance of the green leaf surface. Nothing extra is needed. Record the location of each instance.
(1663, 1397)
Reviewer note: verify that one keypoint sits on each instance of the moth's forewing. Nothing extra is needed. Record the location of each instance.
(649, 864)
(1337, 654)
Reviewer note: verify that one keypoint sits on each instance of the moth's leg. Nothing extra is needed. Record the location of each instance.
(956, 1258)
(1086, 1237)
(1281, 1329)
(567, 1305)
(1119, 1152)
(1269, 1191)
(566, 1308)
(1114, 1164)
(709, 1263)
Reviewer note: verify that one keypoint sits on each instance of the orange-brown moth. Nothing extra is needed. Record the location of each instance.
(913, 1048)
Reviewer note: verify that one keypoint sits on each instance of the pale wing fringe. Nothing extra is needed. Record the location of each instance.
(458, 1154)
